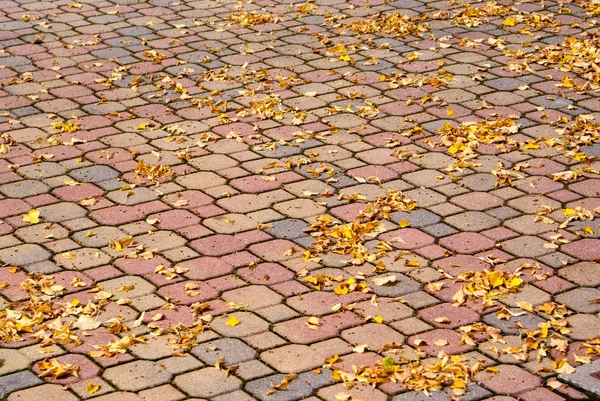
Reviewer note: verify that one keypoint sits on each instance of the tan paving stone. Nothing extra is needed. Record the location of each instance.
(138, 375)
(207, 382)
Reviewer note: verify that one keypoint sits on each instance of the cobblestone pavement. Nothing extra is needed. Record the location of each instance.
(283, 200)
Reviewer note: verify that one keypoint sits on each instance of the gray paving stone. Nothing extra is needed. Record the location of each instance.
(18, 381)
(303, 386)
(232, 350)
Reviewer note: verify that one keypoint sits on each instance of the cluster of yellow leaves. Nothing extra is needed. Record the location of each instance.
(153, 172)
(475, 16)
(68, 127)
(269, 106)
(398, 79)
(394, 23)
(449, 371)
(582, 132)
(56, 370)
(349, 239)
(117, 346)
(486, 286)
(467, 136)
(382, 208)
(343, 239)
(576, 213)
(574, 54)
(245, 18)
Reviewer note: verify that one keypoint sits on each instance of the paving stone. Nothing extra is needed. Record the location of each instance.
(207, 382)
(233, 351)
(18, 381)
(293, 358)
(50, 392)
(23, 254)
(138, 375)
(509, 380)
(303, 386)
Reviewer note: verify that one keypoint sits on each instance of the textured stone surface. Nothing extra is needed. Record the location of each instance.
(260, 126)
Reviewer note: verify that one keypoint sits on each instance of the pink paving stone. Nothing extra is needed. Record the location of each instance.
(584, 249)
(194, 232)
(275, 250)
(117, 215)
(319, 303)
(381, 172)
(240, 259)
(526, 272)
(554, 285)
(141, 266)
(42, 200)
(427, 341)
(297, 331)
(408, 238)
(205, 267)
(541, 394)
(109, 156)
(347, 363)
(217, 245)
(257, 184)
(467, 243)
(178, 292)
(226, 283)
(77, 193)
(194, 199)
(349, 212)
(431, 252)
(499, 233)
(510, 380)
(252, 237)
(266, 274)
(457, 316)
(102, 273)
(87, 369)
(174, 219)
(97, 337)
(12, 207)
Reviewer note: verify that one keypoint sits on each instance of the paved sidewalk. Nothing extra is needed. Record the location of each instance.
(283, 200)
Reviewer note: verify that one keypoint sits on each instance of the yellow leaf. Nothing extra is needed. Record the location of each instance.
(71, 182)
(588, 230)
(33, 217)
(509, 22)
(378, 319)
(404, 223)
(232, 321)
(567, 82)
(440, 343)
(92, 388)
(450, 112)
(532, 145)
(525, 306)
(345, 57)
(341, 289)
(412, 263)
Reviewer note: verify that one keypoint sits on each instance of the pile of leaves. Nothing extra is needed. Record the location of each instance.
(245, 18)
(343, 239)
(349, 239)
(579, 55)
(475, 16)
(394, 23)
(449, 371)
(486, 286)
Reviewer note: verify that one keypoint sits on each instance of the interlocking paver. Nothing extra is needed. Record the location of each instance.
(216, 137)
